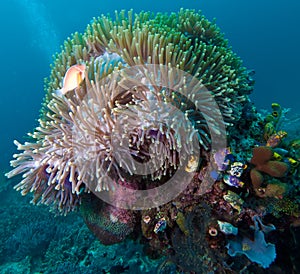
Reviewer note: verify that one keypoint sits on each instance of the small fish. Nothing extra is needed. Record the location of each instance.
(72, 79)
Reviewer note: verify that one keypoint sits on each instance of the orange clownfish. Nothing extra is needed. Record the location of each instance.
(72, 79)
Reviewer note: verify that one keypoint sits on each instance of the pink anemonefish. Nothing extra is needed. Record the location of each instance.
(72, 79)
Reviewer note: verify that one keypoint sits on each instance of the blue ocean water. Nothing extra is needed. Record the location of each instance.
(265, 34)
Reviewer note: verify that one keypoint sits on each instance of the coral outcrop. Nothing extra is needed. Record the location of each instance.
(159, 104)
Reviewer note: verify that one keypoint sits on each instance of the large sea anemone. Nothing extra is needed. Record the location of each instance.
(135, 117)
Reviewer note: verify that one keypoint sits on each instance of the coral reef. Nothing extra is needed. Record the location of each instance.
(62, 161)
(65, 244)
(17, 246)
(20, 267)
(130, 104)
(198, 251)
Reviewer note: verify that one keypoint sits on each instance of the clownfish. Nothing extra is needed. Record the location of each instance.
(72, 79)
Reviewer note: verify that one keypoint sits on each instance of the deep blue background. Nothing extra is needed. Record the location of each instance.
(264, 33)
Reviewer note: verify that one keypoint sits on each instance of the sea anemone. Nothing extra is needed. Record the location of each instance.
(143, 110)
